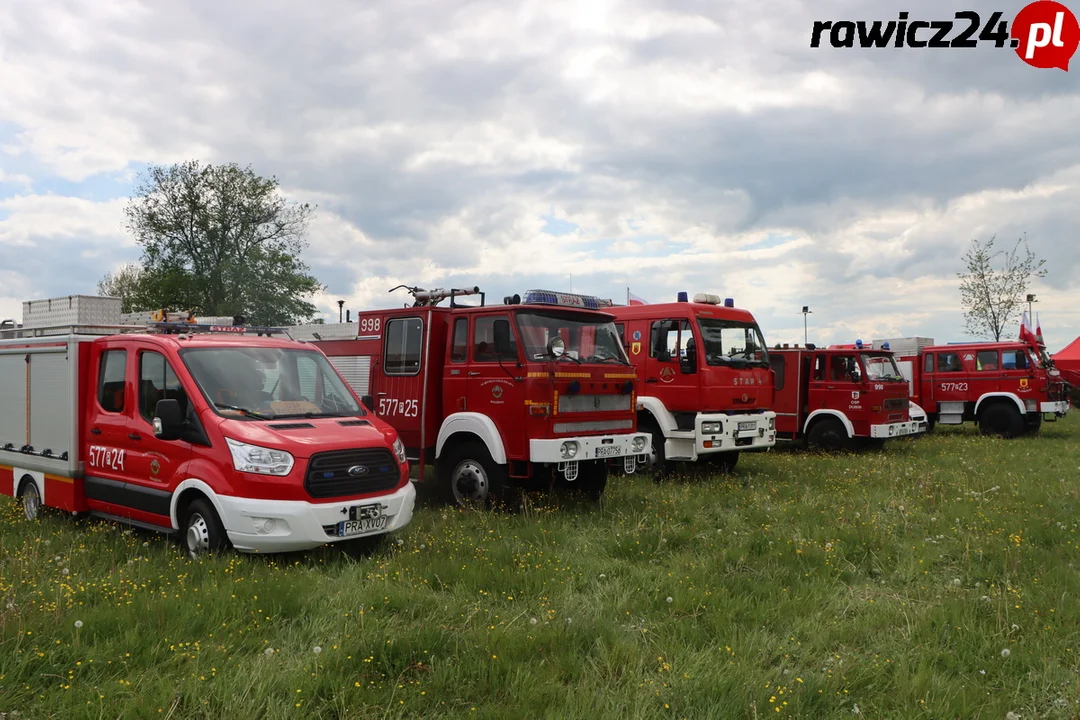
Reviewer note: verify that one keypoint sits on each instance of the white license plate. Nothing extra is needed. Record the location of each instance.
(608, 451)
(751, 425)
(347, 528)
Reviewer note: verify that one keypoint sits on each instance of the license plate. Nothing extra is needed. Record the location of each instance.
(608, 451)
(751, 425)
(347, 528)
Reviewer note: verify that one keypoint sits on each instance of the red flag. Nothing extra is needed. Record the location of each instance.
(634, 299)
(1038, 331)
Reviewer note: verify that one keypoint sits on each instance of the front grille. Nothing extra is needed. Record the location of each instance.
(896, 403)
(328, 473)
(593, 403)
(353, 423)
(293, 426)
(595, 426)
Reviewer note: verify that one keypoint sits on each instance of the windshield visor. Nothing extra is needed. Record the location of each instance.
(266, 383)
(881, 368)
(585, 340)
(728, 342)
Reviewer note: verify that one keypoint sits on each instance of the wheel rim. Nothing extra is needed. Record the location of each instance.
(31, 501)
(470, 482)
(198, 535)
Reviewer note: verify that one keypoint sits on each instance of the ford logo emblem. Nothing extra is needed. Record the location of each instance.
(358, 470)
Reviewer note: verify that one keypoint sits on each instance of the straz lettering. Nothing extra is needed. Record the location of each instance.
(390, 407)
(746, 381)
(106, 458)
(954, 387)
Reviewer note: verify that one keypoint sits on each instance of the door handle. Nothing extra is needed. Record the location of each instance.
(831, 387)
(95, 431)
(474, 373)
(651, 380)
(135, 436)
(380, 393)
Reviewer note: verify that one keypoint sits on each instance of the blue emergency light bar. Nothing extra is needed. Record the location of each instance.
(550, 297)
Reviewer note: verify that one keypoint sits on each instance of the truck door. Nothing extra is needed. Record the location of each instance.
(152, 463)
(987, 375)
(786, 368)
(670, 374)
(108, 423)
(836, 384)
(455, 382)
(948, 381)
(491, 389)
(398, 378)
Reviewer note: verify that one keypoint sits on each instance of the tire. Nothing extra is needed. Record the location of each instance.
(828, 434)
(931, 421)
(873, 444)
(1001, 419)
(202, 531)
(1032, 425)
(724, 462)
(31, 499)
(657, 464)
(469, 477)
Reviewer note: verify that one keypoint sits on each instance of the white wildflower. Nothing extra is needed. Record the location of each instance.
(268, 651)
(316, 649)
(1011, 716)
(1006, 653)
(532, 621)
(78, 624)
(670, 600)
(856, 711)
(602, 576)
(65, 571)
(956, 581)
(1015, 627)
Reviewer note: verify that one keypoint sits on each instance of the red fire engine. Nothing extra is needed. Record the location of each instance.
(495, 394)
(840, 397)
(707, 404)
(1006, 387)
(226, 435)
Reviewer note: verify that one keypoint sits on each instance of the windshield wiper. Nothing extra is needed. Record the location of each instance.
(249, 413)
(596, 358)
(568, 355)
(310, 415)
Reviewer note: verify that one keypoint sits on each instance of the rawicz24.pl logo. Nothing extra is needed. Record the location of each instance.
(1045, 34)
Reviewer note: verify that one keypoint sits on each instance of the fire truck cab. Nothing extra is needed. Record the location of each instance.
(1007, 387)
(839, 397)
(529, 392)
(707, 388)
(222, 435)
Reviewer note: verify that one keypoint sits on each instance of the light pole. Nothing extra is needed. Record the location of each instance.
(805, 311)
(1030, 299)
(340, 305)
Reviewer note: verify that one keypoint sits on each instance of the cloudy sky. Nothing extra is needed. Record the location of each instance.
(660, 145)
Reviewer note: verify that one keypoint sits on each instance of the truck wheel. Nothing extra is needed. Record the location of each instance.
(1032, 424)
(31, 499)
(203, 532)
(1001, 419)
(657, 464)
(828, 434)
(469, 476)
(724, 462)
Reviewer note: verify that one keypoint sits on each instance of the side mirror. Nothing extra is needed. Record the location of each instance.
(368, 401)
(503, 347)
(169, 423)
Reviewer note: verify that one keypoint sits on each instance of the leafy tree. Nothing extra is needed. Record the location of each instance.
(126, 284)
(992, 297)
(220, 240)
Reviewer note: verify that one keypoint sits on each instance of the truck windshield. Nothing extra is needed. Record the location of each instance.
(729, 342)
(268, 383)
(881, 368)
(586, 339)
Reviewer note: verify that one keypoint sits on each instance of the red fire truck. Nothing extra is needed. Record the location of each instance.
(224, 435)
(528, 392)
(841, 397)
(1006, 387)
(708, 404)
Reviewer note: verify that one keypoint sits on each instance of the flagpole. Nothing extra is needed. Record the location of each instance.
(627, 295)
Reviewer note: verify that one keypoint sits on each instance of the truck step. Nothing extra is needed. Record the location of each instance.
(951, 419)
(951, 408)
(134, 523)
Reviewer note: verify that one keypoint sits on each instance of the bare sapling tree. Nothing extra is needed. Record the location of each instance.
(993, 289)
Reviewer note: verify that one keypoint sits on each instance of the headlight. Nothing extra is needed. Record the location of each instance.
(772, 423)
(568, 449)
(399, 450)
(638, 444)
(711, 428)
(260, 460)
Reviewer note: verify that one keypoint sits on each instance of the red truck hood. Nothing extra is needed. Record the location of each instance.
(302, 438)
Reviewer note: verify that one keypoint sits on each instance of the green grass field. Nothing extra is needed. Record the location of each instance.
(934, 579)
